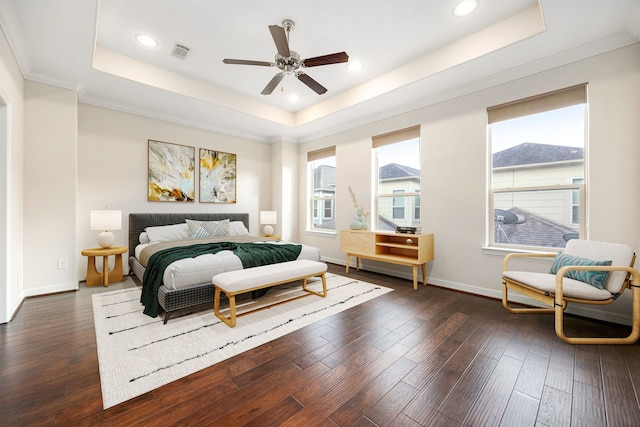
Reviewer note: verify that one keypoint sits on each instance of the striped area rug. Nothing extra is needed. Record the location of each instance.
(138, 353)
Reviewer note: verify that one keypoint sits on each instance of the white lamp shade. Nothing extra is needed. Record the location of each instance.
(106, 220)
(268, 217)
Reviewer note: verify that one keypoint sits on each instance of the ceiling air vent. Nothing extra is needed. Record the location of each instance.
(180, 51)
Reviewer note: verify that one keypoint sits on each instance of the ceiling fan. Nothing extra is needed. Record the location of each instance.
(289, 62)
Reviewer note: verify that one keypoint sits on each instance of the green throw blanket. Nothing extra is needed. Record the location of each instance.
(251, 255)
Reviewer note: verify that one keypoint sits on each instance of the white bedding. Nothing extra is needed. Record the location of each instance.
(201, 269)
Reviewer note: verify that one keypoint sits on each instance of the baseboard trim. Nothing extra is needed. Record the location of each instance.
(582, 310)
(51, 289)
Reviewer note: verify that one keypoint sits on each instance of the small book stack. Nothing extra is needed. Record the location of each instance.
(408, 230)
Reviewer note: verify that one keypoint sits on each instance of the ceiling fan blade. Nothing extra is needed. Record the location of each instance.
(247, 62)
(280, 38)
(314, 85)
(334, 58)
(272, 84)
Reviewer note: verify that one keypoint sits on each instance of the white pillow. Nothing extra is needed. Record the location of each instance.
(238, 229)
(203, 229)
(167, 233)
(144, 237)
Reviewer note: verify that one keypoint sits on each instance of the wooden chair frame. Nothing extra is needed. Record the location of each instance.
(558, 302)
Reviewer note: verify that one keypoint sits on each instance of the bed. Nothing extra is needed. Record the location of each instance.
(187, 282)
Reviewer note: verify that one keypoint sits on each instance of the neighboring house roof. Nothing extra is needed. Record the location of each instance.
(394, 171)
(385, 224)
(326, 225)
(530, 153)
(325, 177)
(534, 231)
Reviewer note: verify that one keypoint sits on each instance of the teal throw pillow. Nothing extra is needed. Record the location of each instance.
(594, 278)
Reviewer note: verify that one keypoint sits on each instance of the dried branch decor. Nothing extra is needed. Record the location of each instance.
(355, 203)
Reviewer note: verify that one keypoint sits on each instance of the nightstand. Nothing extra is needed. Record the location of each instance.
(93, 277)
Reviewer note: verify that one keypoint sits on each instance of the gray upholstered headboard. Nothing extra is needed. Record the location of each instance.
(139, 221)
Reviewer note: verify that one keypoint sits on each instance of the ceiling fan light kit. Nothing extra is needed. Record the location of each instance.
(289, 62)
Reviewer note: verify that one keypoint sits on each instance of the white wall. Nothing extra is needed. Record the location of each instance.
(112, 170)
(11, 181)
(50, 188)
(111, 165)
(454, 172)
(284, 189)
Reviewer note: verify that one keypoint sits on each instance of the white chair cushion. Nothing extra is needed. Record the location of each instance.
(547, 283)
(256, 277)
(619, 254)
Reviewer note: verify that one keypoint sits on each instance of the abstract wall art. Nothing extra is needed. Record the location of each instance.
(171, 173)
(217, 177)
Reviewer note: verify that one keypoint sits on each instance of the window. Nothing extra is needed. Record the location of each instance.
(575, 202)
(322, 189)
(537, 188)
(397, 161)
(328, 209)
(398, 205)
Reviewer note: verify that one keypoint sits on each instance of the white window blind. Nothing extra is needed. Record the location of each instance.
(323, 153)
(538, 104)
(396, 136)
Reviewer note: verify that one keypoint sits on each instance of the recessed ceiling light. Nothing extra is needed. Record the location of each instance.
(465, 7)
(294, 98)
(354, 66)
(146, 40)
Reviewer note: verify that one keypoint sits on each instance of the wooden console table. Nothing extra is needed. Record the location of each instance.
(413, 250)
(93, 277)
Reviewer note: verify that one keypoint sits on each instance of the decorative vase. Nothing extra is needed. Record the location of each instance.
(355, 224)
(362, 221)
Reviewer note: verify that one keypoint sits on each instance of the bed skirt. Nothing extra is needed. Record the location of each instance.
(172, 300)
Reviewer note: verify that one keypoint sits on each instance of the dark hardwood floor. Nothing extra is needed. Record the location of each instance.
(426, 357)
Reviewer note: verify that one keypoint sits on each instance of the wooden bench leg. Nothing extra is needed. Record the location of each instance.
(231, 320)
(324, 286)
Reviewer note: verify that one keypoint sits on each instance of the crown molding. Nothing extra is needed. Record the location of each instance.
(283, 138)
(614, 42)
(195, 124)
(583, 52)
(11, 29)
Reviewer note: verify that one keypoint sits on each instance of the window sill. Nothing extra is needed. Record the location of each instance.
(329, 233)
(501, 252)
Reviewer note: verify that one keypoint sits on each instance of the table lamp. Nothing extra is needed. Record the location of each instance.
(268, 219)
(106, 220)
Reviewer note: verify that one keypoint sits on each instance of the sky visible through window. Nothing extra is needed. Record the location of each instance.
(327, 161)
(564, 126)
(402, 153)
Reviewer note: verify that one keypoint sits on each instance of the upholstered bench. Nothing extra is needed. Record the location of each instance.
(237, 282)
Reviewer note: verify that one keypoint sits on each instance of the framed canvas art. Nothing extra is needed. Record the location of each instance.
(217, 177)
(171, 176)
